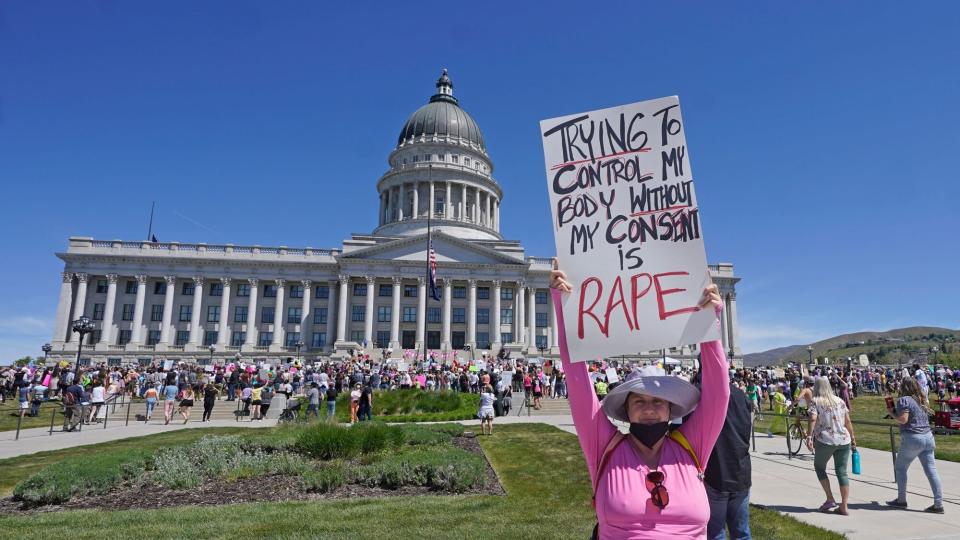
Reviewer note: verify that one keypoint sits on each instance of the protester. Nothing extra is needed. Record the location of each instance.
(150, 396)
(313, 400)
(170, 392)
(266, 398)
(831, 436)
(186, 403)
(72, 410)
(728, 475)
(331, 402)
(916, 440)
(365, 404)
(256, 400)
(485, 414)
(354, 403)
(210, 393)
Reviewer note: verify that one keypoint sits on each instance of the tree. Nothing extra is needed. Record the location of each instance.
(23, 361)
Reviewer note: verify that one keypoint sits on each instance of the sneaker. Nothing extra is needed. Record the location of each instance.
(934, 509)
(897, 503)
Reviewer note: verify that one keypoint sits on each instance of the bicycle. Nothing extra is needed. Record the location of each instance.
(797, 433)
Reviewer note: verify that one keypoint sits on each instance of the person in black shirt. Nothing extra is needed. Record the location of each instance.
(331, 402)
(728, 472)
(366, 404)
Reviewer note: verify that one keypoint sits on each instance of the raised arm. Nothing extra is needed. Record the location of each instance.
(704, 425)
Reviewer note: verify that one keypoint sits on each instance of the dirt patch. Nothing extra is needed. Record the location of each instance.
(272, 488)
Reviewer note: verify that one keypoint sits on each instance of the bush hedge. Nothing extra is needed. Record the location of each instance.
(450, 469)
(89, 474)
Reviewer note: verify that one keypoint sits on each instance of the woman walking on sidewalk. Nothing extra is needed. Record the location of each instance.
(916, 440)
(831, 435)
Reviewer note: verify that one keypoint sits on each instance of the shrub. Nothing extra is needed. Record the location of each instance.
(328, 441)
(87, 474)
(449, 469)
(186, 467)
(326, 479)
(415, 405)
(417, 434)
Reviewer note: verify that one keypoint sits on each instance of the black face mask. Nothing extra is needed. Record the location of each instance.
(649, 434)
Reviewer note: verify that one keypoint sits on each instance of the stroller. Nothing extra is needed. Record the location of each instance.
(291, 413)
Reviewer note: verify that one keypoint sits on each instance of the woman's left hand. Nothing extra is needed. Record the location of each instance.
(711, 297)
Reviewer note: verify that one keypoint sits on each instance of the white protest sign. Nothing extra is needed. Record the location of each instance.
(167, 365)
(627, 229)
(612, 376)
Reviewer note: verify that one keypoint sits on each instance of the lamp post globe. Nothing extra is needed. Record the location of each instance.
(82, 326)
(46, 350)
(299, 346)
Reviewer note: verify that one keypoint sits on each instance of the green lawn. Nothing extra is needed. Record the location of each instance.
(8, 416)
(541, 468)
(871, 409)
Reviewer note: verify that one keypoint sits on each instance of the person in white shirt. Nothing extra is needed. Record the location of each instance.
(486, 410)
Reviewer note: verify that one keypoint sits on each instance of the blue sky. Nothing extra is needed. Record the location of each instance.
(822, 135)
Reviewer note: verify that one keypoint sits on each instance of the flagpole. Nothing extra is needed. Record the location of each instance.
(429, 248)
(150, 227)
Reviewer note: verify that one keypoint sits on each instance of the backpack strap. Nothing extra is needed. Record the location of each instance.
(604, 458)
(678, 436)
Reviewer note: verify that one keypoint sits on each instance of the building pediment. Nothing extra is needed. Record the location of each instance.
(449, 250)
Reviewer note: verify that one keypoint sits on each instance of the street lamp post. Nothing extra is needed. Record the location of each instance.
(46, 350)
(469, 348)
(82, 326)
(299, 346)
(212, 348)
(541, 348)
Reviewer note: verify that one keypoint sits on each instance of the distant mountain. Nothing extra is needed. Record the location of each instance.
(879, 346)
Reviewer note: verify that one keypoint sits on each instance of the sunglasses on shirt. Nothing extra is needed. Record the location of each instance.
(658, 492)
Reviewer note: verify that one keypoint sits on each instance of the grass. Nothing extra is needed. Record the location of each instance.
(409, 406)
(541, 468)
(10, 410)
(871, 409)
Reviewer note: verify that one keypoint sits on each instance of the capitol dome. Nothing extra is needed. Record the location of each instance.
(442, 117)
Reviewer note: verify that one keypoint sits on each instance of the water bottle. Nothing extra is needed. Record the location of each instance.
(856, 461)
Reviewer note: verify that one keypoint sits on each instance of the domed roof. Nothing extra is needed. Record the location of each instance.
(442, 116)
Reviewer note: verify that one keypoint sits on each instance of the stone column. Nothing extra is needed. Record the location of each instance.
(81, 301)
(331, 312)
(400, 203)
(195, 330)
(251, 340)
(447, 312)
(62, 325)
(433, 200)
(342, 308)
(166, 325)
(463, 202)
(531, 316)
(421, 309)
(518, 318)
(136, 336)
(476, 207)
(554, 330)
(495, 317)
(416, 200)
(448, 202)
(306, 318)
(106, 329)
(489, 210)
(395, 314)
(723, 325)
(279, 317)
(472, 313)
(368, 318)
(733, 342)
(223, 327)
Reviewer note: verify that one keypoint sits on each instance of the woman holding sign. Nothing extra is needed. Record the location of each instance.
(651, 485)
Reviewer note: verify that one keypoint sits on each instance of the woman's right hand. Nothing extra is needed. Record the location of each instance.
(810, 443)
(558, 279)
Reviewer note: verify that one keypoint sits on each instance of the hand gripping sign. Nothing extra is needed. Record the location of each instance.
(627, 228)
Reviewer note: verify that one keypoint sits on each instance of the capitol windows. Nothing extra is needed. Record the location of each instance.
(358, 313)
(506, 337)
(385, 289)
(186, 312)
(182, 337)
(506, 294)
(409, 314)
(153, 337)
(266, 315)
(123, 337)
(127, 313)
(319, 340)
(98, 312)
(541, 297)
(459, 292)
(101, 286)
(156, 312)
(427, 157)
(433, 315)
(483, 340)
(237, 338)
(439, 203)
(542, 342)
(383, 313)
(416, 159)
(187, 288)
(243, 290)
(383, 339)
(541, 320)
(322, 291)
(458, 340)
(320, 315)
(459, 315)
(455, 158)
(131, 287)
(409, 291)
(294, 314)
(265, 339)
(359, 289)
(95, 336)
(210, 338)
(296, 291)
(269, 291)
(466, 162)
(213, 313)
(356, 336)
(433, 339)
(240, 314)
(483, 316)
(440, 157)
(292, 339)
(483, 293)
(160, 287)
(216, 289)
(506, 315)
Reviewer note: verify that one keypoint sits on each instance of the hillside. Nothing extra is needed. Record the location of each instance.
(890, 347)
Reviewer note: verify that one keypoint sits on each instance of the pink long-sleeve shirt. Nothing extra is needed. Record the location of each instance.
(624, 507)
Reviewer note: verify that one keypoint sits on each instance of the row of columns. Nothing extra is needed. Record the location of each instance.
(728, 325)
(486, 207)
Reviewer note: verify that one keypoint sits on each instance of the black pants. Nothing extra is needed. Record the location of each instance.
(207, 409)
(264, 407)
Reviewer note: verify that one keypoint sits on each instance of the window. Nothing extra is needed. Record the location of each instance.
(156, 312)
(433, 339)
(213, 313)
(322, 291)
(459, 315)
(439, 203)
(294, 314)
(427, 157)
(433, 315)
(216, 288)
(123, 337)
(153, 337)
(238, 338)
(385, 290)
(409, 291)
(187, 288)
(455, 158)
(127, 313)
(95, 336)
(160, 287)
(358, 313)
(266, 315)
(466, 161)
(98, 312)
(319, 340)
(458, 340)
(506, 337)
(356, 336)
(269, 291)
(542, 342)
(541, 320)
(101, 286)
(240, 314)
(243, 290)
(483, 293)
(384, 313)
(265, 339)
(292, 338)
(186, 312)
(383, 339)
(182, 337)
(210, 338)
(320, 315)
(506, 315)
(459, 292)
(483, 340)
(359, 289)
(416, 159)
(296, 291)
(541, 297)
(131, 287)
(409, 314)
(506, 294)
(483, 316)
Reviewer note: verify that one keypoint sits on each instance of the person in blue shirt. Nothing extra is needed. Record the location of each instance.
(170, 392)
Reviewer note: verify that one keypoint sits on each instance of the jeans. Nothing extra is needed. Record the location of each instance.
(231, 392)
(366, 412)
(912, 446)
(312, 409)
(728, 509)
(331, 409)
(151, 403)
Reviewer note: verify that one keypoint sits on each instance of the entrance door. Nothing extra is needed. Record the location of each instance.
(408, 339)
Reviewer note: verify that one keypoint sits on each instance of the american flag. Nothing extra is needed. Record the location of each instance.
(434, 290)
